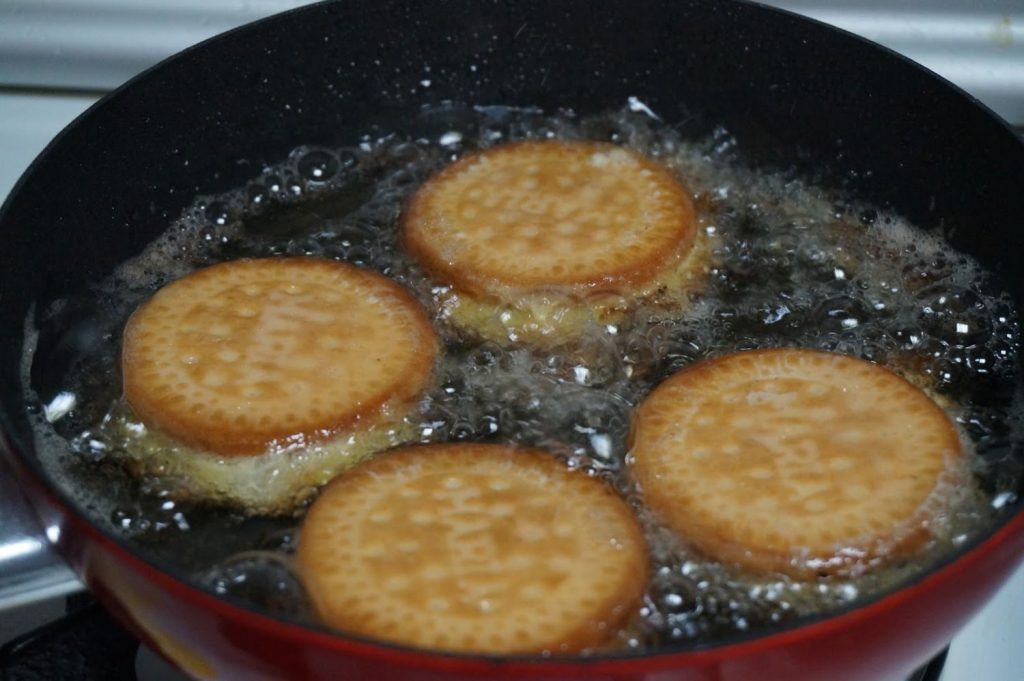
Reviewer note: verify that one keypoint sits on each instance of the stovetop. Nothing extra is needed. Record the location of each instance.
(56, 59)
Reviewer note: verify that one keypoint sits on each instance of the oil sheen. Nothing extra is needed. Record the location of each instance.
(792, 265)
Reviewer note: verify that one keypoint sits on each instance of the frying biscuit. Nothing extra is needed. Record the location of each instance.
(473, 548)
(244, 364)
(538, 238)
(797, 461)
(273, 483)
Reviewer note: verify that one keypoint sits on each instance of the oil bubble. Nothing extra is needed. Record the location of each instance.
(262, 579)
(218, 213)
(257, 194)
(274, 184)
(318, 165)
(792, 265)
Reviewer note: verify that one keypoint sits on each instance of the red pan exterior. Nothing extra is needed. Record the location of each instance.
(209, 638)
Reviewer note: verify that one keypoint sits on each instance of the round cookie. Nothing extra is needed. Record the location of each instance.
(797, 461)
(473, 548)
(249, 356)
(546, 235)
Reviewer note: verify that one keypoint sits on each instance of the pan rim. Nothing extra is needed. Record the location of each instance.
(1010, 525)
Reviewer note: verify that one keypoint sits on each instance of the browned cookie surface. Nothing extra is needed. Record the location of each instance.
(538, 214)
(793, 460)
(473, 548)
(244, 355)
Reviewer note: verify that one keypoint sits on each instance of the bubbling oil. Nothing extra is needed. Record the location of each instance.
(792, 265)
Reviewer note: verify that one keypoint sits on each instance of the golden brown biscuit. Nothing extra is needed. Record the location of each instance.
(538, 238)
(798, 461)
(244, 355)
(260, 377)
(473, 548)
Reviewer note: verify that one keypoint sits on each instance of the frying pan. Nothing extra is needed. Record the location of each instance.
(797, 96)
